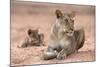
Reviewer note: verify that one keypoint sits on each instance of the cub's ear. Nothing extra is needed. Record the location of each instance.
(36, 31)
(29, 31)
(58, 13)
(71, 14)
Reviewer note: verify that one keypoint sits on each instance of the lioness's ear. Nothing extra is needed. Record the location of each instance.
(29, 31)
(58, 13)
(71, 14)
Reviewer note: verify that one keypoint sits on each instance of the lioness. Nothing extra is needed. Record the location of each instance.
(64, 39)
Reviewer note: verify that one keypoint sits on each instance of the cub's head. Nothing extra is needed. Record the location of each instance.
(32, 33)
(66, 21)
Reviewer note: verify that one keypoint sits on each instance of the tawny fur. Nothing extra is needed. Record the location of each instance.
(64, 39)
(33, 39)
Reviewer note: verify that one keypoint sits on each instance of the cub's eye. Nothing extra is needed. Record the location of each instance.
(66, 32)
(66, 20)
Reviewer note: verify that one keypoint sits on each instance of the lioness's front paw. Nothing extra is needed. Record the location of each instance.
(61, 56)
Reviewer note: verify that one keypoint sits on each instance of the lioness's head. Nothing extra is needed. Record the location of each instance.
(66, 20)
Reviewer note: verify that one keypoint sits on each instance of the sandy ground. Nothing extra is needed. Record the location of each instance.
(37, 15)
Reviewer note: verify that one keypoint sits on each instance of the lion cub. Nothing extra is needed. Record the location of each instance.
(64, 39)
(33, 38)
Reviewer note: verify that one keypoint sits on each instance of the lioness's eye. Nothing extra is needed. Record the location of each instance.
(66, 20)
(71, 29)
(72, 20)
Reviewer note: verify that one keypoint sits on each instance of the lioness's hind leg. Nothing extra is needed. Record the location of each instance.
(80, 37)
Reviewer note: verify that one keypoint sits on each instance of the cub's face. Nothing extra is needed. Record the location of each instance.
(66, 22)
(32, 33)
